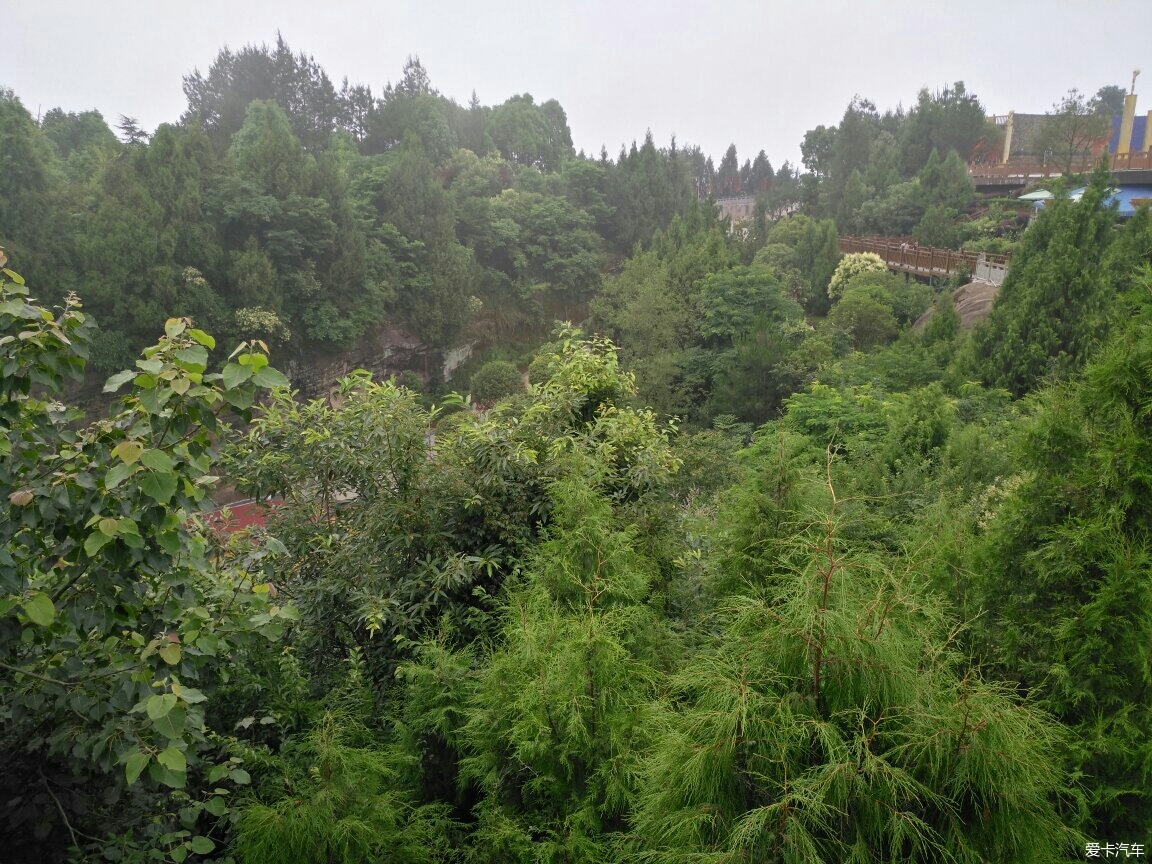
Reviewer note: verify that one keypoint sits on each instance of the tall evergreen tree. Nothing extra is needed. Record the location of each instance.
(728, 181)
(27, 171)
(832, 719)
(1063, 570)
(1052, 310)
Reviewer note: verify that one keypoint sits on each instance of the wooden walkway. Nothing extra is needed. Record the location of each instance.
(1023, 172)
(904, 256)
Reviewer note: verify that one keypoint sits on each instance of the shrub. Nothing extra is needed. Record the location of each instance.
(495, 380)
(867, 317)
(853, 265)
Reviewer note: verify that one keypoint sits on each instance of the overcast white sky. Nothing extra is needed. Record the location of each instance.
(758, 74)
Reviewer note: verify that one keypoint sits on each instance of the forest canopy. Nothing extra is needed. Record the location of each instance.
(772, 557)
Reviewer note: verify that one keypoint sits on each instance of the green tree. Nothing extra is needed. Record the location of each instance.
(546, 246)
(495, 380)
(895, 213)
(734, 302)
(851, 148)
(435, 271)
(179, 170)
(815, 256)
(340, 802)
(73, 133)
(1062, 571)
(26, 175)
(938, 228)
(648, 188)
(865, 313)
(128, 263)
(114, 617)
(265, 151)
(1109, 100)
(531, 134)
(1073, 129)
(945, 182)
(412, 108)
(655, 327)
(750, 326)
(1053, 307)
(950, 120)
(832, 719)
(557, 722)
(816, 150)
(853, 265)
(728, 180)
(219, 100)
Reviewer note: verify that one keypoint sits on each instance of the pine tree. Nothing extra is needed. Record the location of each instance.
(1052, 310)
(834, 720)
(1064, 570)
(557, 723)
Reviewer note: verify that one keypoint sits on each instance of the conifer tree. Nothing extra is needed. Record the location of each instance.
(1052, 309)
(1064, 571)
(834, 720)
(556, 726)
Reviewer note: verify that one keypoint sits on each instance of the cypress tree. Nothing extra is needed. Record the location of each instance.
(1052, 310)
(834, 720)
(1065, 571)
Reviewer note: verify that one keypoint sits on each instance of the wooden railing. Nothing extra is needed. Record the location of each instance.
(1023, 171)
(1033, 169)
(906, 257)
(1132, 161)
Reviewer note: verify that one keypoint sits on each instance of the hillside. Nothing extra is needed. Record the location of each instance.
(760, 562)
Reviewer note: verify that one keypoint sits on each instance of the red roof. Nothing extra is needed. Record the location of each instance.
(242, 514)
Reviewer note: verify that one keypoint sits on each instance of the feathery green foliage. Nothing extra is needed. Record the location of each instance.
(341, 800)
(1053, 308)
(1064, 570)
(834, 720)
(557, 722)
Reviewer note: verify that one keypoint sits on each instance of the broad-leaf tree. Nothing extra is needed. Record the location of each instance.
(115, 618)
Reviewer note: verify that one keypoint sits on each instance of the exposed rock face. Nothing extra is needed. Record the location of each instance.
(383, 352)
(973, 302)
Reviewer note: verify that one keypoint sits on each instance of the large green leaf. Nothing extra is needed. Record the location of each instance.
(170, 653)
(203, 338)
(40, 610)
(160, 705)
(160, 487)
(240, 398)
(136, 763)
(235, 375)
(172, 759)
(171, 725)
(269, 377)
(95, 541)
(118, 380)
(157, 460)
(202, 845)
(216, 805)
(195, 357)
(128, 451)
(117, 474)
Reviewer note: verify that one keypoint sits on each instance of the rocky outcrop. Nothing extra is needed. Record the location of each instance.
(383, 352)
(973, 302)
